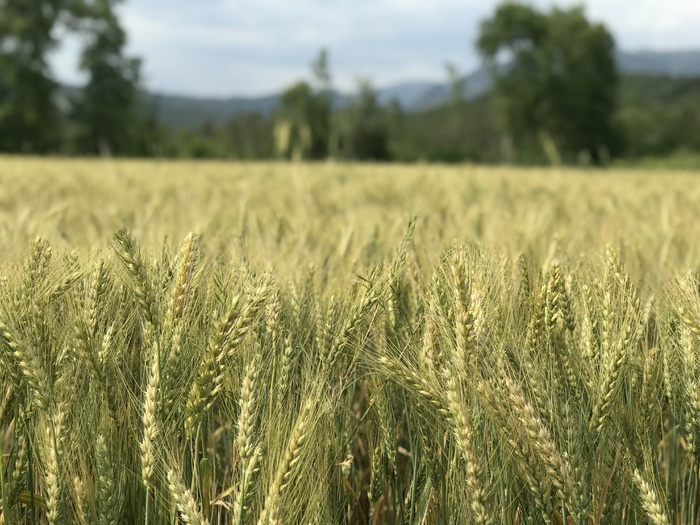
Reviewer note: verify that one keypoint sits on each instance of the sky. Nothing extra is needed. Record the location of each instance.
(223, 48)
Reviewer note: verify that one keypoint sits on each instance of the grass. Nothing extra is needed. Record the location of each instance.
(526, 351)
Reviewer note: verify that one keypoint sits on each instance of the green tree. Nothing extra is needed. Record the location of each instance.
(659, 116)
(555, 79)
(457, 84)
(321, 71)
(109, 117)
(361, 131)
(29, 119)
(323, 107)
(303, 116)
(295, 117)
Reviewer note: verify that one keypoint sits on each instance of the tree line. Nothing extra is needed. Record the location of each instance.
(557, 97)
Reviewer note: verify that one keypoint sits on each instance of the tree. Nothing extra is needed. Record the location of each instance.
(107, 114)
(29, 119)
(555, 79)
(295, 118)
(321, 71)
(361, 131)
(302, 126)
(323, 107)
(457, 84)
(659, 116)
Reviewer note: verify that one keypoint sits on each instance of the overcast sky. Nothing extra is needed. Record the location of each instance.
(254, 47)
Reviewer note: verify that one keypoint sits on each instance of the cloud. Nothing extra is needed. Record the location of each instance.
(648, 24)
(248, 47)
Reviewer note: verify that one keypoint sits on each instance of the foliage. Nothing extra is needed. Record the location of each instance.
(107, 113)
(659, 116)
(106, 118)
(360, 132)
(466, 132)
(302, 126)
(246, 137)
(29, 120)
(558, 83)
(656, 122)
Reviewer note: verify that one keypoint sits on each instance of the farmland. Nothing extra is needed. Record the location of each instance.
(342, 344)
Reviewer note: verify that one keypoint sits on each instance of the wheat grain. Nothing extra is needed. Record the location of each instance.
(189, 510)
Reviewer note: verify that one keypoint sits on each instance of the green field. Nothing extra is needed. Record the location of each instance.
(342, 344)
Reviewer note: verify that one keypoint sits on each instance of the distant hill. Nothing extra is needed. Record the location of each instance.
(675, 64)
(187, 112)
(672, 64)
(184, 112)
(408, 94)
(475, 84)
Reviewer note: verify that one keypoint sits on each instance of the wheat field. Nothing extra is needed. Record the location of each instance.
(341, 344)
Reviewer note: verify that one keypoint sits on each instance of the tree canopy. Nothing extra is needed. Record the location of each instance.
(29, 120)
(106, 113)
(303, 115)
(104, 119)
(555, 78)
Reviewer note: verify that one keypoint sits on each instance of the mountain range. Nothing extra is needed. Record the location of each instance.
(177, 111)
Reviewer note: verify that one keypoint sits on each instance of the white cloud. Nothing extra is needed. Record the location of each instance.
(233, 47)
(149, 31)
(648, 24)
